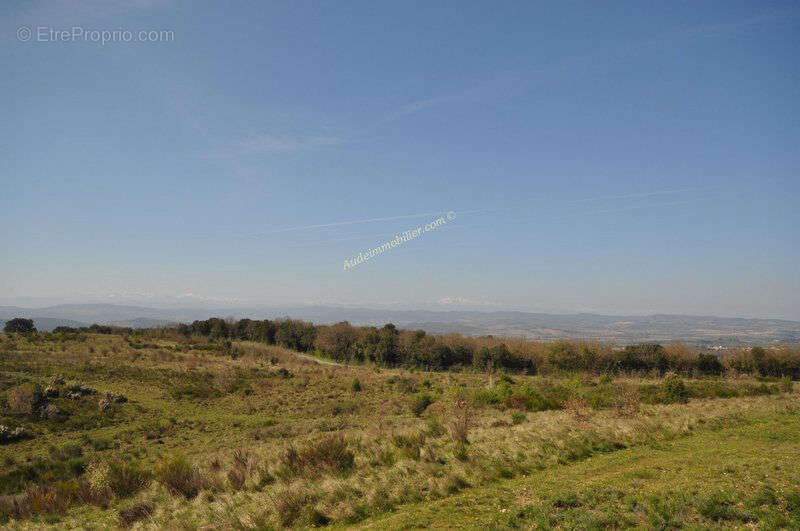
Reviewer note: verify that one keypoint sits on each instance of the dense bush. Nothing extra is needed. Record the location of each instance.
(644, 357)
(63, 463)
(500, 357)
(337, 341)
(670, 391)
(20, 326)
(709, 364)
(774, 362)
(93, 329)
(117, 478)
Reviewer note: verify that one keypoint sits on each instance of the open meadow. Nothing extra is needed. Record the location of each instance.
(161, 429)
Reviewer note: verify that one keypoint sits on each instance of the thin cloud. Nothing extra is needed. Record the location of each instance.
(639, 207)
(477, 91)
(587, 213)
(503, 83)
(640, 195)
(268, 143)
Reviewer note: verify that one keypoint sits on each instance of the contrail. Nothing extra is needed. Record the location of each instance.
(643, 194)
(461, 212)
(371, 220)
(587, 213)
(635, 207)
(351, 222)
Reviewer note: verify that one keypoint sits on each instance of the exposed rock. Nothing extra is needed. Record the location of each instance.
(110, 398)
(50, 392)
(7, 435)
(104, 403)
(49, 412)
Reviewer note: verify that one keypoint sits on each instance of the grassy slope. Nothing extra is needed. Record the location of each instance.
(318, 400)
(724, 478)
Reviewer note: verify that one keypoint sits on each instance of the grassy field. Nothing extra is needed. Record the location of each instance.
(106, 430)
(733, 477)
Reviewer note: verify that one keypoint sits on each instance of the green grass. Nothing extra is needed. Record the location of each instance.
(727, 478)
(269, 438)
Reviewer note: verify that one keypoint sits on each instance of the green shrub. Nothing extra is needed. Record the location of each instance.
(567, 501)
(179, 476)
(493, 396)
(330, 454)
(602, 396)
(435, 427)
(420, 403)
(355, 386)
(195, 391)
(292, 504)
(713, 389)
(409, 444)
(793, 502)
(760, 389)
(672, 390)
(461, 451)
(499, 357)
(518, 417)
(126, 478)
(538, 398)
(60, 466)
(20, 326)
(284, 373)
(644, 357)
(765, 496)
(709, 364)
(506, 379)
(343, 407)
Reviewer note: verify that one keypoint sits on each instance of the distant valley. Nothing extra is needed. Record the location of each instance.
(704, 331)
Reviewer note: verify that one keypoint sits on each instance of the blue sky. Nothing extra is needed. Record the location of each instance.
(631, 157)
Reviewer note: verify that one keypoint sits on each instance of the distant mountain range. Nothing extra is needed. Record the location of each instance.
(697, 330)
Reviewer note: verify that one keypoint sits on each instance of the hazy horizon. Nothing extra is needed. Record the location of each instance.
(184, 303)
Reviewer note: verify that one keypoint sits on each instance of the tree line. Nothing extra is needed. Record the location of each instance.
(387, 346)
